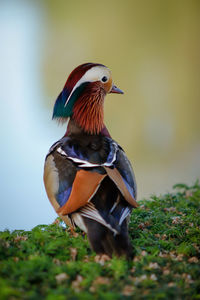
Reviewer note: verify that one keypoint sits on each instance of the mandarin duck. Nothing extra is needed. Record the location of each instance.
(87, 175)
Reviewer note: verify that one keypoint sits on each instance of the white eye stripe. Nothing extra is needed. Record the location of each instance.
(93, 74)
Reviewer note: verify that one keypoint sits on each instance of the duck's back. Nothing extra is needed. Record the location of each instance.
(93, 182)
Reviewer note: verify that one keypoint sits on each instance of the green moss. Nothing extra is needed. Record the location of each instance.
(50, 263)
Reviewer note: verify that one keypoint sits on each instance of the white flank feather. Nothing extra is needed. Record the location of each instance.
(89, 211)
(125, 214)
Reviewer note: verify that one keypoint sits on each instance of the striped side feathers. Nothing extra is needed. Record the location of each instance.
(91, 168)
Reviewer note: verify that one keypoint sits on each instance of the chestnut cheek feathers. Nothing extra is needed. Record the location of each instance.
(108, 85)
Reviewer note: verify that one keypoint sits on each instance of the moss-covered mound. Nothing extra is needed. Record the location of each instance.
(50, 262)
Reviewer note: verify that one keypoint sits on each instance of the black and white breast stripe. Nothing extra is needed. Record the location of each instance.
(86, 164)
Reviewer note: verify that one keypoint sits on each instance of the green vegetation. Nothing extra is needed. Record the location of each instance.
(52, 263)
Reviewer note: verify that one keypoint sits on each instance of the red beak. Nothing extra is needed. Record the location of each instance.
(116, 90)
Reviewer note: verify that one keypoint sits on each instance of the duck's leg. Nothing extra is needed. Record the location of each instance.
(123, 244)
(104, 241)
(97, 235)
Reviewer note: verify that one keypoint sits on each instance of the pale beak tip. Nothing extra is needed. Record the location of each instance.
(116, 90)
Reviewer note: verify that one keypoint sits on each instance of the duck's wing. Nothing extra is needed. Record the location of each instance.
(74, 170)
(68, 187)
(122, 174)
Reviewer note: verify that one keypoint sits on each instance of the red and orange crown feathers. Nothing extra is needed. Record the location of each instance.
(62, 111)
(83, 95)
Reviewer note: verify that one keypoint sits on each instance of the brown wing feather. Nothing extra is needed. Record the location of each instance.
(84, 187)
(117, 179)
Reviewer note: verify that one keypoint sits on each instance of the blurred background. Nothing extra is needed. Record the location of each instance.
(153, 50)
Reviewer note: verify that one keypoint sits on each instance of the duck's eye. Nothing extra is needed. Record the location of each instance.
(104, 78)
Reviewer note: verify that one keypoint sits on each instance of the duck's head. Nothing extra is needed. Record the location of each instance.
(83, 96)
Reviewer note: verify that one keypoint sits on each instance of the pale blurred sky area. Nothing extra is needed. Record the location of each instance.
(153, 50)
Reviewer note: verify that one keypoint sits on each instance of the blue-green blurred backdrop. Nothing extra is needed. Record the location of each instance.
(153, 50)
